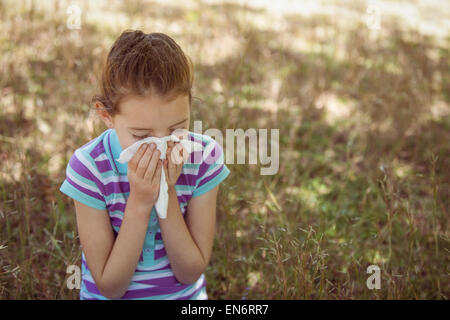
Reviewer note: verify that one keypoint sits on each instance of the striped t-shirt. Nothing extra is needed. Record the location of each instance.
(95, 177)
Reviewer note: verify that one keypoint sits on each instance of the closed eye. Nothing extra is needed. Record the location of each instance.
(139, 137)
(145, 136)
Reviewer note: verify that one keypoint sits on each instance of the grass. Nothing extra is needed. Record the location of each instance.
(364, 155)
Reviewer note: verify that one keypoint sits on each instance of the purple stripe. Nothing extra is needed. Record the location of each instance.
(91, 287)
(210, 177)
(103, 166)
(86, 191)
(213, 156)
(117, 187)
(193, 294)
(160, 253)
(166, 285)
(151, 292)
(164, 282)
(124, 186)
(158, 236)
(196, 139)
(119, 206)
(139, 293)
(98, 150)
(83, 171)
(195, 157)
(116, 221)
(184, 198)
(116, 206)
(110, 151)
(186, 179)
(202, 169)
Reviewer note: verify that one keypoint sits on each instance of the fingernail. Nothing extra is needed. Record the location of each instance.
(152, 146)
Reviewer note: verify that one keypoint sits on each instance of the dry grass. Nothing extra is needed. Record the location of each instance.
(364, 123)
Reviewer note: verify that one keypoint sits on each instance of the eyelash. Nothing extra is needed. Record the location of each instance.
(143, 137)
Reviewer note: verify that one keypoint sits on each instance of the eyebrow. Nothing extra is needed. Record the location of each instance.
(150, 129)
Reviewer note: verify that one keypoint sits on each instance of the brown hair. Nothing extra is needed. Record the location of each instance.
(142, 64)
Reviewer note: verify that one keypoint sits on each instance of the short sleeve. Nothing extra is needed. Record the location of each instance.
(212, 169)
(83, 182)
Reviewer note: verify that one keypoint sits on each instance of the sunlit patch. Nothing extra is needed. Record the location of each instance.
(253, 278)
(336, 108)
(402, 170)
(375, 257)
(55, 164)
(440, 109)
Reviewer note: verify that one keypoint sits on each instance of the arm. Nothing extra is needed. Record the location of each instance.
(112, 262)
(188, 241)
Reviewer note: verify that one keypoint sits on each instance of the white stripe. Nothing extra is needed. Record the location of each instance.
(183, 192)
(95, 172)
(133, 286)
(116, 215)
(202, 295)
(115, 178)
(193, 171)
(115, 200)
(101, 157)
(159, 265)
(83, 184)
(88, 165)
(152, 276)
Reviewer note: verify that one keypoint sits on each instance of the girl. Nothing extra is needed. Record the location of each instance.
(128, 252)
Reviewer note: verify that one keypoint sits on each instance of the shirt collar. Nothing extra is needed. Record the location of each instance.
(113, 150)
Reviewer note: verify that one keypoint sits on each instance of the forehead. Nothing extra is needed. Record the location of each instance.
(153, 111)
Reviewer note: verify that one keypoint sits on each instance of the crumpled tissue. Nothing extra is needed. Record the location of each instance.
(127, 154)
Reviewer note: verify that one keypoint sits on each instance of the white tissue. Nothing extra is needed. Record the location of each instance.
(161, 143)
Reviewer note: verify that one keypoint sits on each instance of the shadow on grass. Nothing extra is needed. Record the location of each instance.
(356, 186)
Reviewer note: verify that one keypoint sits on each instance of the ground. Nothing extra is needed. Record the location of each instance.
(364, 119)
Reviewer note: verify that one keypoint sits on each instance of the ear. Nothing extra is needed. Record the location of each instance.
(104, 115)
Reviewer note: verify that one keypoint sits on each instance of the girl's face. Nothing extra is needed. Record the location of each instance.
(149, 116)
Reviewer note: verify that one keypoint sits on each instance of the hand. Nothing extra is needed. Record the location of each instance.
(144, 175)
(176, 155)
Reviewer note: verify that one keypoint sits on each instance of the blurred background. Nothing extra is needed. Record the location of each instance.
(360, 91)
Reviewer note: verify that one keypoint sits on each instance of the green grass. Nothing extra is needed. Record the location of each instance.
(364, 152)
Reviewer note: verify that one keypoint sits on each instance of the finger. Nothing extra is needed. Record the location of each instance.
(184, 154)
(166, 168)
(132, 164)
(170, 159)
(157, 175)
(175, 155)
(145, 160)
(180, 154)
(149, 173)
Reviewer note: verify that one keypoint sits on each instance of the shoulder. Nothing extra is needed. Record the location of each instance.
(96, 148)
(208, 164)
(90, 156)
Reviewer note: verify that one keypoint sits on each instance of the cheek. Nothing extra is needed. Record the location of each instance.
(126, 140)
